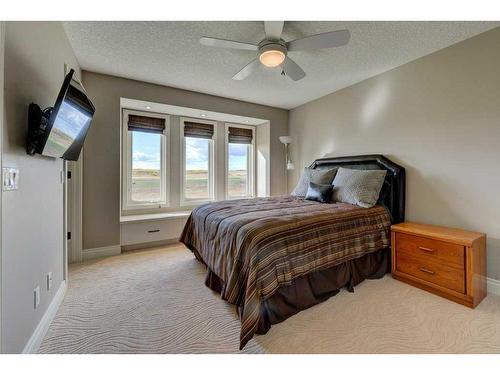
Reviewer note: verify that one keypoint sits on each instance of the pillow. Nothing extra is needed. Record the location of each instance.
(319, 192)
(318, 176)
(359, 187)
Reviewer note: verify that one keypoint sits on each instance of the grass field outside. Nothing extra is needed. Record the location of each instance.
(146, 184)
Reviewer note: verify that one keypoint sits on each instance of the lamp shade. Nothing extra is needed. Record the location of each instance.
(290, 166)
(286, 139)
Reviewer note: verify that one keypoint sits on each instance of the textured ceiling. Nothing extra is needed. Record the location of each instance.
(169, 53)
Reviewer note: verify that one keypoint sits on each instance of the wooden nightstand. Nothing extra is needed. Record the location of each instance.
(445, 261)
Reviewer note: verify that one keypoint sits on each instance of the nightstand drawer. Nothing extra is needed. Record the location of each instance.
(449, 262)
(431, 271)
(450, 254)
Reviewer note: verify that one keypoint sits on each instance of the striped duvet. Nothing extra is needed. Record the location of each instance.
(257, 245)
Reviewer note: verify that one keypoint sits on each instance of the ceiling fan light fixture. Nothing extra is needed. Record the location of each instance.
(272, 58)
(273, 49)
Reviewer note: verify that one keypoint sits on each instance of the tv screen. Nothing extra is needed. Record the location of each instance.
(69, 121)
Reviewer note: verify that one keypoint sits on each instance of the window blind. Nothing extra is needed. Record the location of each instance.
(198, 130)
(146, 124)
(240, 135)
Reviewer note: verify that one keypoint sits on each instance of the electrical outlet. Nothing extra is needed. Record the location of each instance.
(36, 296)
(10, 177)
(49, 281)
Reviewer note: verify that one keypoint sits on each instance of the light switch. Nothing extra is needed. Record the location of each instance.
(49, 281)
(10, 179)
(36, 297)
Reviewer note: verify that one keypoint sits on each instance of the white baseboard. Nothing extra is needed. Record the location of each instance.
(43, 326)
(493, 286)
(99, 252)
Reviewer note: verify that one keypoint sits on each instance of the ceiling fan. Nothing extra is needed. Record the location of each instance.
(273, 51)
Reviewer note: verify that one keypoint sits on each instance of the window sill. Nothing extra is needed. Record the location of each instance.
(194, 203)
(148, 206)
(152, 217)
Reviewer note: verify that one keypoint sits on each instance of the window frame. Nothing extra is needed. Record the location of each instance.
(250, 162)
(184, 201)
(126, 159)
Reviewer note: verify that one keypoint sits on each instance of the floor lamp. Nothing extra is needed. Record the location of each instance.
(286, 140)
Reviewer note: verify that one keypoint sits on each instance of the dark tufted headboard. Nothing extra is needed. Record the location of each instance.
(393, 191)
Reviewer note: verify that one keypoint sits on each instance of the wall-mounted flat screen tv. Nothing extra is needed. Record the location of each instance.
(62, 129)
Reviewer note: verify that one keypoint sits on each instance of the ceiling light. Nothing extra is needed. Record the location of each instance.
(148, 107)
(272, 58)
(203, 115)
(247, 121)
(272, 54)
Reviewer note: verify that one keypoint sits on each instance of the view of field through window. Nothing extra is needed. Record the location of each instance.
(146, 168)
(237, 170)
(196, 184)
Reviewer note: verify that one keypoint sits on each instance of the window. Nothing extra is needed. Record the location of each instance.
(144, 173)
(240, 161)
(197, 179)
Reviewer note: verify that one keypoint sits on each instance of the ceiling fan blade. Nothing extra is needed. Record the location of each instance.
(292, 70)
(247, 70)
(326, 40)
(224, 43)
(273, 29)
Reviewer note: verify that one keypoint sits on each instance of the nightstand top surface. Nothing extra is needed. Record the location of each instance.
(454, 235)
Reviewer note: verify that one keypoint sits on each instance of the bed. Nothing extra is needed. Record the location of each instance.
(273, 257)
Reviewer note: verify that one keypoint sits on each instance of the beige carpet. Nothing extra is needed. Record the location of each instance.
(154, 301)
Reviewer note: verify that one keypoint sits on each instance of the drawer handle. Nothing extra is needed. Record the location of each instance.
(426, 249)
(427, 271)
(153, 231)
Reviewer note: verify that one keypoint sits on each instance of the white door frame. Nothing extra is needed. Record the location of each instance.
(73, 207)
(65, 219)
(2, 44)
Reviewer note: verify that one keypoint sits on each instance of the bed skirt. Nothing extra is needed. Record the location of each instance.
(314, 288)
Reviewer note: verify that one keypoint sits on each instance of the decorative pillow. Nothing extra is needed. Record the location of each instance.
(319, 193)
(360, 187)
(318, 176)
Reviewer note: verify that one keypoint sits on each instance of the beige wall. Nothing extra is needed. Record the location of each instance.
(439, 117)
(101, 190)
(32, 216)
